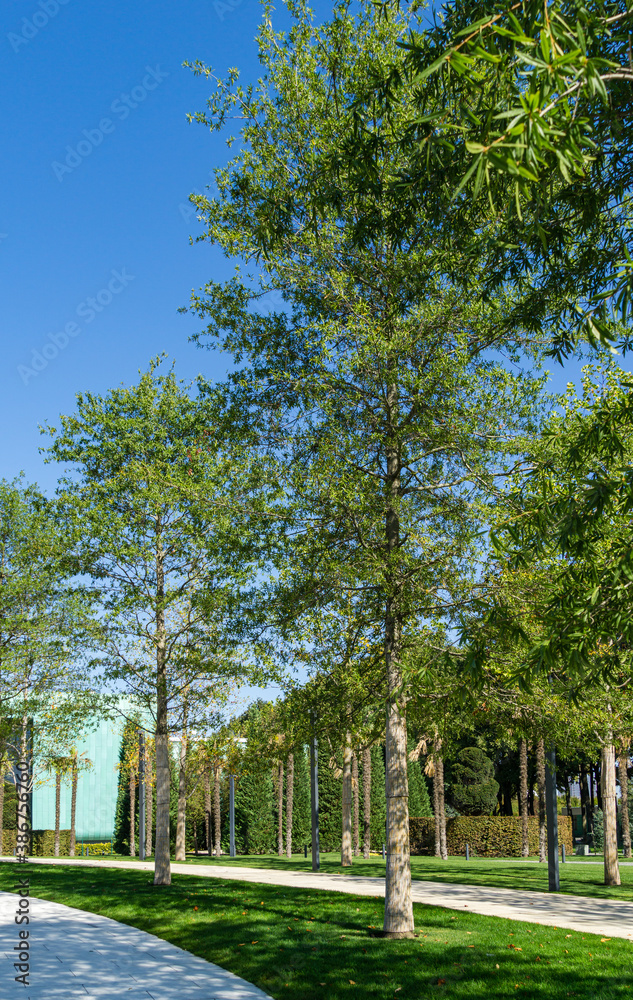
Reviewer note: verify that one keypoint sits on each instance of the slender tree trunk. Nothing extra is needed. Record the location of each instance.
(599, 787)
(356, 817)
(607, 772)
(73, 805)
(132, 812)
(540, 781)
(3, 764)
(58, 788)
(217, 820)
(207, 810)
(162, 862)
(280, 809)
(23, 819)
(442, 808)
(584, 802)
(181, 823)
(436, 801)
(523, 797)
(623, 763)
(366, 801)
(346, 838)
(290, 785)
(398, 903)
(149, 804)
(567, 795)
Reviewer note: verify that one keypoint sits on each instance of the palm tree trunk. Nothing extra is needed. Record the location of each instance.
(607, 774)
(73, 805)
(346, 839)
(523, 797)
(290, 782)
(132, 812)
(207, 809)
(216, 810)
(58, 789)
(540, 781)
(442, 808)
(356, 816)
(436, 802)
(180, 852)
(280, 809)
(366, 801)
(623, 767)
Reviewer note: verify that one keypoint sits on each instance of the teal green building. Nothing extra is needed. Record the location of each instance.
(97, 787)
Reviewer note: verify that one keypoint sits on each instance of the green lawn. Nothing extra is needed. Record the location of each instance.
(578, 879)
(301, 944)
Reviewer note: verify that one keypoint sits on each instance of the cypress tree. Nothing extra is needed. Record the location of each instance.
(378, 800)
(330, 811)
(301, 817)
(254, 812)
(419, 800)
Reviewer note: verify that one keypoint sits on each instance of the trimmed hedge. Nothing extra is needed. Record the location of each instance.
(486, 836)
(42, 843)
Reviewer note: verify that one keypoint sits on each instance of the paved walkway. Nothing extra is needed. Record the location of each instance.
(76, 955)
(607, 917)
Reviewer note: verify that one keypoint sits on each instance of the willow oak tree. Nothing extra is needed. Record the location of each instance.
(376, 386)
(44, 618)
(147, 505)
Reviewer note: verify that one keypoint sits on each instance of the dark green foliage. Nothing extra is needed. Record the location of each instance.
(474, 789)
(378, 801)
(122, 811)
(9, 821)
(419, 800)
(330, 811)
(486, 836)
(254, 826)
(301, 828)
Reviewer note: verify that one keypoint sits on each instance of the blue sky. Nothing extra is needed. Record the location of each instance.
(99, 161)
(95, 221)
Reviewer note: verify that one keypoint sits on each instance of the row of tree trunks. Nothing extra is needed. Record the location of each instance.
(133, 812)
(523, 797)
(542, 819)
(356, 818)
(74, 776)
(290, 782)
(280, 808)
(623, 769)
(366, 801)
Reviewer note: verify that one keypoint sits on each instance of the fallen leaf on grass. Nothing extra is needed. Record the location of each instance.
(352, 983)
(441, 982)
(605, 939)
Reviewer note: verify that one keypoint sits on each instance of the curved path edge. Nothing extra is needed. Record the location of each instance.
(607, 917)
(77, 954)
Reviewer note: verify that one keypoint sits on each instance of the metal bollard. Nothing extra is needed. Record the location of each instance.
(384, 855)
(563, 858)
(467, 852)
(305, 850)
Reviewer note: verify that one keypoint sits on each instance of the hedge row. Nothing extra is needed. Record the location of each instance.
(42, 843)
(486, 836)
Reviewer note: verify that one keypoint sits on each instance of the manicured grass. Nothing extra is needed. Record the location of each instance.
(301, 944)
(577, 879)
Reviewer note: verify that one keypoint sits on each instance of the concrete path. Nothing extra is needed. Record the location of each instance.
(74, 955)
(607, 917)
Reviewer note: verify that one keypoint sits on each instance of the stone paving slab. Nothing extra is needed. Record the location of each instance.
(607, 917)
(75, 954)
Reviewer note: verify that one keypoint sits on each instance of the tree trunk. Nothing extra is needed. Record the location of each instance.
(73, 806)
(398, 904)
(162, 862)
(2, 771)
(181, 822)
(436, 802)
(58, 789)
(290, 786)
(442, 808)
(149, 805)
(280, 809)
(623, 763)
(207, 810)
(356, 817)
(366, 801)
(216, 811)
(346, 838)
(568, 794)
(132, 812)
(540, 781)
(599, 786)
(523, 797)
(607, 772)
(584, 803)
